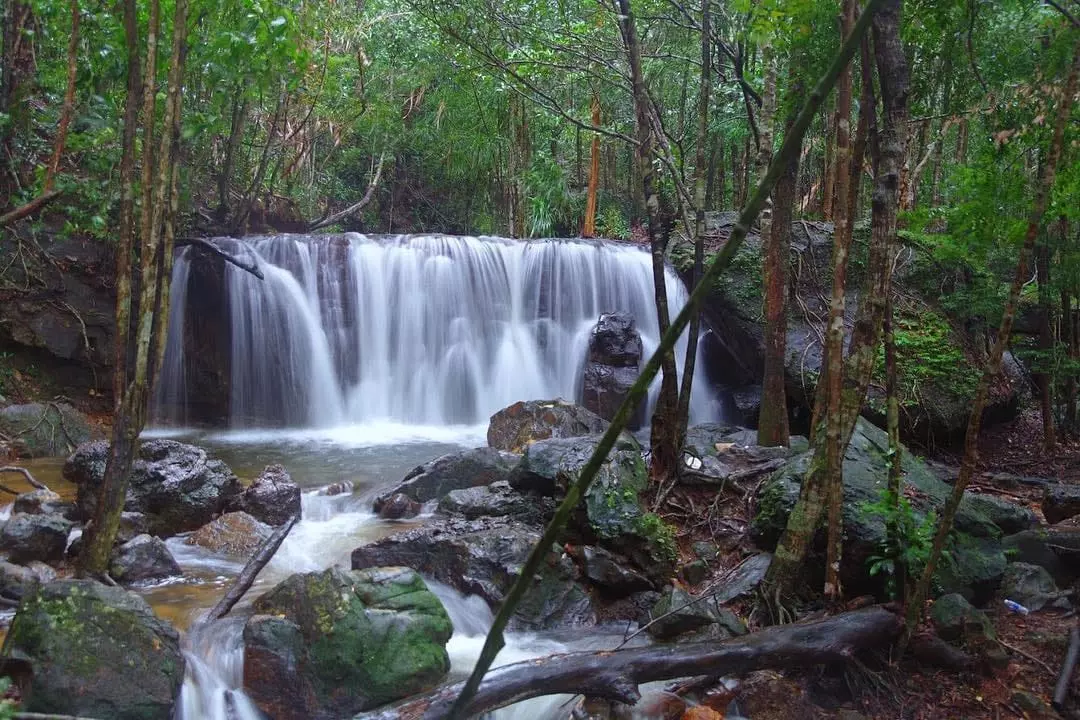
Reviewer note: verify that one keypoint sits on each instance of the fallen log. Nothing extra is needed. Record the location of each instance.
(615, 675)
(254, 566)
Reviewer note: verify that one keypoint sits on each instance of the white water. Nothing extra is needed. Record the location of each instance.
(429, 330)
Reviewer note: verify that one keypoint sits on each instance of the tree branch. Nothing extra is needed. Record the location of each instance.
(251, 571)
(337, 217)
(29, 208)
(251, 267)
(26, 473)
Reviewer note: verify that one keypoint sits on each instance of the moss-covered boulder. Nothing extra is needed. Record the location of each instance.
(81, 648)
(976, 559)
(334, 643)
(613, 509)
(515, 427)
(46, 430)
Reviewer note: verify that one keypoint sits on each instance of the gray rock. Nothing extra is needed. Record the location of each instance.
(142, 559)
(35, 537)
(1009, 517)
(273, 498)
(398, 506)
(178, 487)
(515, 427)
(95, 651)
(743, 578)
(40, 502)
(496, 500)
(236, 533)
(46, 430)
(335, 643)
(1055, 548)
(456, 471)
(484, 557)
(1061, 501)
(694, 572)
(707, 551)
(610, 572)
(678, 612)
(1031, 586)
(17, 581)
(611, 366)
(955, 618)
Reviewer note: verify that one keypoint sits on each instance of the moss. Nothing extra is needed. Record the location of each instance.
(660, 535)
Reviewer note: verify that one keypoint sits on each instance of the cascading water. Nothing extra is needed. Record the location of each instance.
(423, 329)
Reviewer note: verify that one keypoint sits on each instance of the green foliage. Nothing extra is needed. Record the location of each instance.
(660, 533)
(928, 355)
(7, 707)
(904, 552)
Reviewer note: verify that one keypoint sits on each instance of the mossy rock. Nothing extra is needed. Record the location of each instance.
(976, 560)
(329, 644)
(82, 648)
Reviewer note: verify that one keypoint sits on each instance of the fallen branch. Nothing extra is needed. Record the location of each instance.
(337, 217)
(25, 473)
(29, 208)
(1061, 689)
(251, 267)
(254, 566)
(615, 675)
(47, 716)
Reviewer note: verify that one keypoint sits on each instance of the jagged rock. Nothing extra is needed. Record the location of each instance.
(335, 643)
(955, 618)
(456, 471)
(976, 560)
(611, 366)
(178, 487)
(496, 500)
(35, 537)
(1031, 586)
(1009, 517)
(142, 559)
(273, 498)
(236, 533)
(1061, 501)
(94, 651)
(40, 502)
(612, 504)
(679, 612)
(1055, 548)
(515, 427)
(484, 557)
(46, 430)
(742, 579)
(398, 506)
(609, 572)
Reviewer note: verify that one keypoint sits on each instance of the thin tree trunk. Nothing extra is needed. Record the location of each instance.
(68, 109)
(834, 350)
(829, 170)
(946, 108)
(664, 426)
(594, 175)
(683, 412)
(892, 423)
(236, 134)
(993, 363)
(1045, 379)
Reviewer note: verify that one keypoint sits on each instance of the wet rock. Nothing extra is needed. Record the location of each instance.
(1055, 548)
(142, 559)
(484, 557)
(976, 561)
(273, 498)
(1007, 516)
(702, 440)
(611, 366)
(94, 651)
(496, 500)
(236, 533)
(1061, 501)
(46, 430)
(17, 581)
(339, 488)
(335, 643)
(610, 572)
(1032, 587)
(40, 502)
(456, 471)
(178, 487)
(743, 578)
(679, 612)
(694, 572)
(705, 550)
(35, 537)
(955, 618)
(132, 524)
(398, 506)
(515, 427)
(612, 504)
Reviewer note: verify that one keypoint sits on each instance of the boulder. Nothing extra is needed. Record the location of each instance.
(95, 651)
(484, 557)
(1055, 548)
(18, 581)
(40, 502)
(1031, 586)
(976, 560)
(613, 509)
(35, 537)
(273, 498)
(610, 572)
(46, 430)
(1061, 501)
(178, 487)
(142, 559)
(611, 366)
(398, 506)
(954, 618)
(497, 500)
(678, 612)
(236, 533)
(513, 428)
(331, 644)
(456, 471)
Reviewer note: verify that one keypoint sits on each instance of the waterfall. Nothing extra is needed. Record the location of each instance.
(415, 329)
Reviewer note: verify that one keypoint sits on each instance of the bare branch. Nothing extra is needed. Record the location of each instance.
(338, 217)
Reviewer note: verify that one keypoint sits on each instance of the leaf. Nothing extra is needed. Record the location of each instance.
(277, 22)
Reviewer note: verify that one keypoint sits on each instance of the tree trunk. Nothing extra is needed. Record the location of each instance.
(1045, 378)
(518, 165)
(892, 424)
(68, 108)
(664, 427)
(946, 108)
(236, 134)
(683, 413)
(594, 175)
(829, 169)
(993, 363)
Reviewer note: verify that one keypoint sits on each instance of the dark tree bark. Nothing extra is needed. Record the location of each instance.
(993, 363)
(1045, 379)
(236, 133)
(589, 229)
